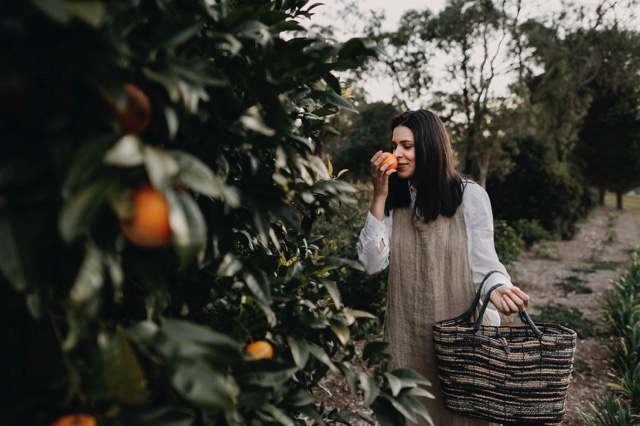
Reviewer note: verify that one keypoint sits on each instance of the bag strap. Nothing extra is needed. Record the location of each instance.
(524, 316)
(476, 300)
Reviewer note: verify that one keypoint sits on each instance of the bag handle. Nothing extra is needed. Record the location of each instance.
(523, 315)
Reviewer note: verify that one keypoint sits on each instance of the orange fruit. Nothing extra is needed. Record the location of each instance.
(149, 225)
(393, 159)
(75, 420)
(259, 350)
(134, 117)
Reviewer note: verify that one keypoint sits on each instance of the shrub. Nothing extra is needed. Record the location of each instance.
(238, 93)
(508, 243)
(531, 231)
(541, 188)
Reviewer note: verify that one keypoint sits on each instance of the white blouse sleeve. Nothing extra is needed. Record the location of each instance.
(369, 252)
(482, 252)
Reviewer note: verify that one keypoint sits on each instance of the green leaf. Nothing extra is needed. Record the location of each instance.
(252, 119)
(166, 416)
(198, 176)
(404, 405)
(127, 152)
(121, 370)
(332, 289)
(188, 228)
(412, 377)
(351, 315)
(299, 351)
(54, 9)
(311, 412)
(318, 353)
(350, 377)
(386, 414)
(91, 12)
(333, 98)
(89, 280)
(370, 388)
(185, 340)
(268, 378)
(374, 348)
(332, 82)
(341, 331)
(15, 263)
(162, 168)
(395, 384)
(78, 214)
(203, 386)
(174, 37)
(299, 398)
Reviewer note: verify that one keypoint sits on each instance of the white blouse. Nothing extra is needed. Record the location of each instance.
(483, 258)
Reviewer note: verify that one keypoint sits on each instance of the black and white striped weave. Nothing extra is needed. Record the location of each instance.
(507, 374)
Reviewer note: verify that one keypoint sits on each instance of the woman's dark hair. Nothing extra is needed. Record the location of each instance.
(439, 185)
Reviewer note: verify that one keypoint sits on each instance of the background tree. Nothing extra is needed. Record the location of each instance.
(201, 119)
(609, 142)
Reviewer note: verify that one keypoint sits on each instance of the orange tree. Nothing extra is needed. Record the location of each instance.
(136, 309)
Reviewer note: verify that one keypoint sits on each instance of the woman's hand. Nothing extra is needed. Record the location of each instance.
(380, 179)
(509, 299)
(380, 175)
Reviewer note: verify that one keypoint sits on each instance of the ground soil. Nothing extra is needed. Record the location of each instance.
(597, 255)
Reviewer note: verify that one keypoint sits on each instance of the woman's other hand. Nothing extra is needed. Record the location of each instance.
(509, 299)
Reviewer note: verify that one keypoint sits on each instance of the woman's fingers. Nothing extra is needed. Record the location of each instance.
(510, 300)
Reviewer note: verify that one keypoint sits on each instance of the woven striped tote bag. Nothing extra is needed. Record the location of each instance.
(512, 375)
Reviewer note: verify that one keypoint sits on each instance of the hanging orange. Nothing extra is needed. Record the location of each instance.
(134, 117)
(149, 226)
(259, 349)
(75, 420)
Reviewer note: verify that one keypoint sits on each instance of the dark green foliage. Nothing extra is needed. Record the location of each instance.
(508, 243)
(239, 93)
(539, 188)
(358, 289)
(531, 231)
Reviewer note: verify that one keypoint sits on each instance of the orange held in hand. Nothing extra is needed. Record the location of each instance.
(75, 420)
(393, 159)
(149, 225)
(259, 350)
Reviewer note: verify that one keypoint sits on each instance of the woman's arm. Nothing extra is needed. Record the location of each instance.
(483, 258)
(373, 244)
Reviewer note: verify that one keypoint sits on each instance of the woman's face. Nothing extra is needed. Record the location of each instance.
(403, 147)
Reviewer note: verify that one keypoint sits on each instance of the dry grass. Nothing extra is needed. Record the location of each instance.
(628, 202)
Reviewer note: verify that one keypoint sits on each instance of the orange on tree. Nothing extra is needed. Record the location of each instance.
(134, 117)
(259, 349)
(390, 158)
(75, 420)
(149, 226)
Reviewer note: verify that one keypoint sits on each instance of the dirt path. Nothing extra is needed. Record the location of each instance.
(593, 259)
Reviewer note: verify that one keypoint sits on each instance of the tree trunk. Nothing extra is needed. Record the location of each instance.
(601, 192)
(619, 200)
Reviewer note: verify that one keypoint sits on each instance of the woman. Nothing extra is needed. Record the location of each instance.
(434, 230)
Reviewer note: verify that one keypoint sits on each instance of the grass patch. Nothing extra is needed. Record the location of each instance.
(573, 284)
(606, 264)
(581, 366)
(572, 318)
(584, 270)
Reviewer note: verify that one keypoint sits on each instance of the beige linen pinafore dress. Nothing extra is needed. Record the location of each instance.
(429, 281)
